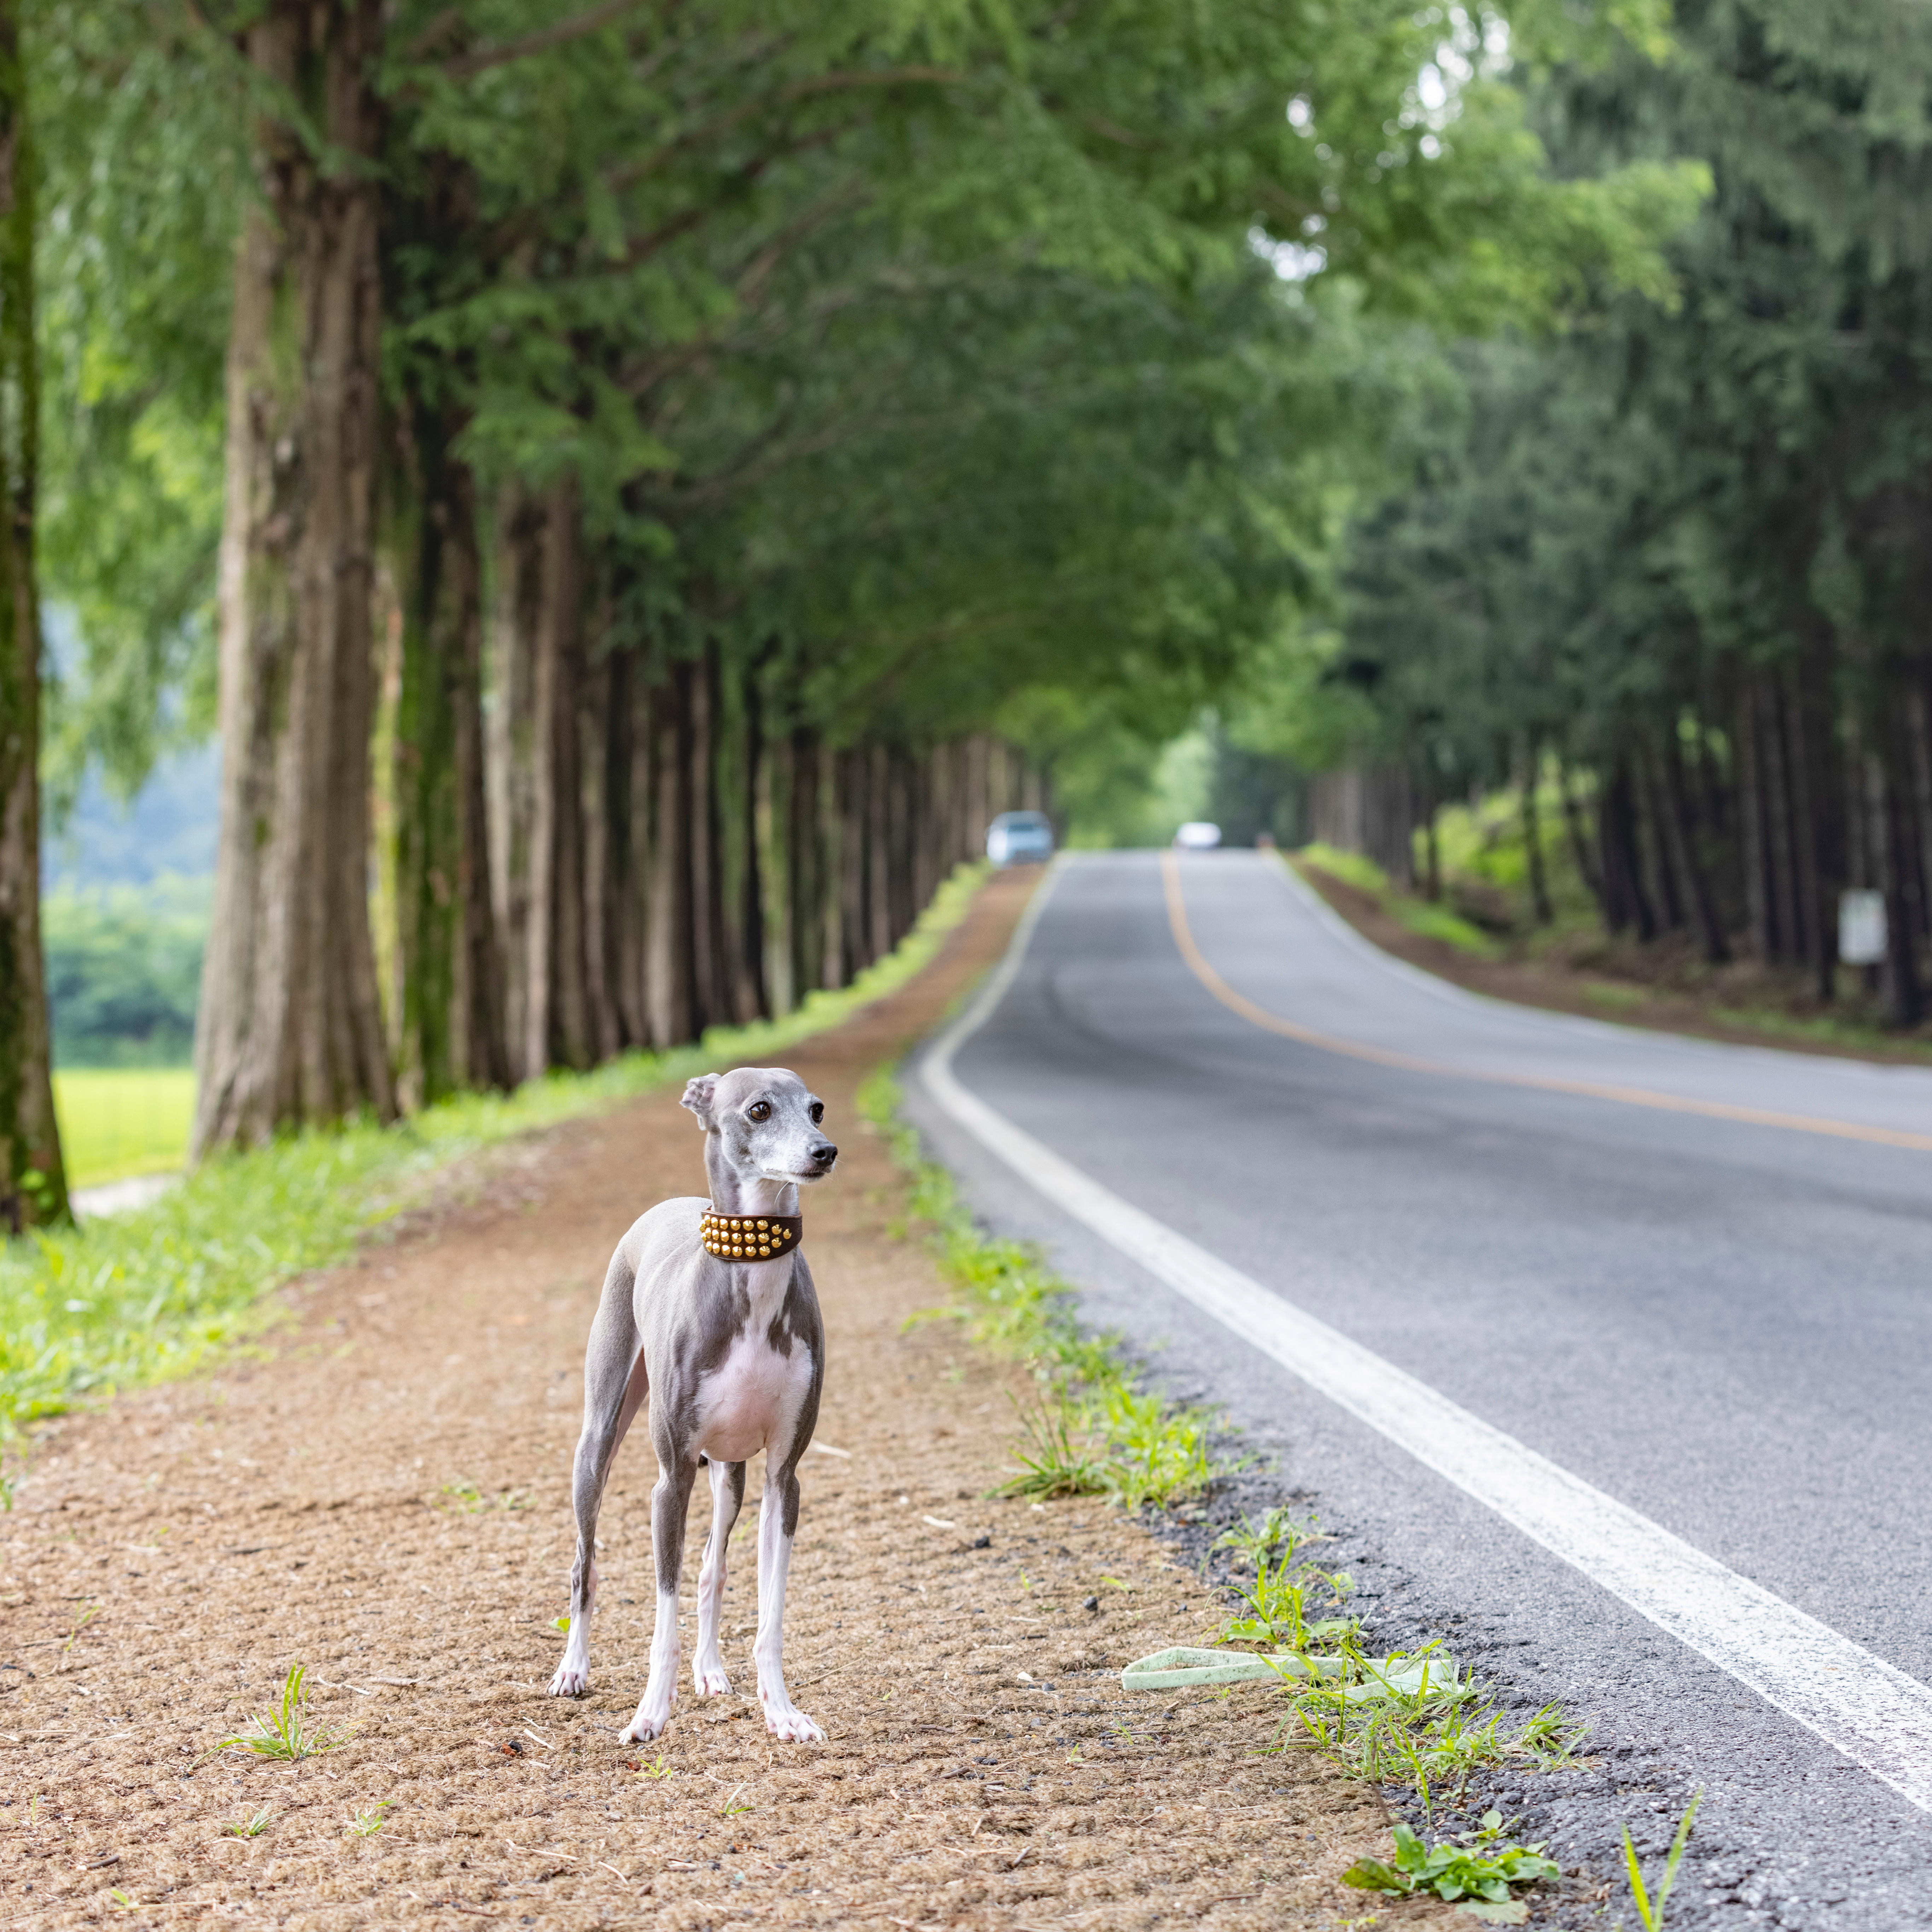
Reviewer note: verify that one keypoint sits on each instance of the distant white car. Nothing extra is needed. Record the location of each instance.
(1020, 839)
(1198, 835)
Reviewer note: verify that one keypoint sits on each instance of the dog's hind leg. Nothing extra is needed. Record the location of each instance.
(614, 1388)
(670, 1504)
(727, 1499)
(778, 1523)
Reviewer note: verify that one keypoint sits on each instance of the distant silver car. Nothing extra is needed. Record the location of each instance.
(1198, 835)
(1020, 839)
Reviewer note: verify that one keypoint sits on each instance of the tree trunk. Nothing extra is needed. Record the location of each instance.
(291, 1026)
(1573, 825)
(450, 1007)
(1532, 838)
(667, 935)
(1625, 900)
(1751, 823)
(1685, 856)
(34, 1189)
(556, 1024)
(515, 607)
(1899, 977)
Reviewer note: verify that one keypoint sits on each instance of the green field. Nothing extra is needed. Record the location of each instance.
(119, 1121)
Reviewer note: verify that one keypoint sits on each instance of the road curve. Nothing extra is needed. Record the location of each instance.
(1691, 1279)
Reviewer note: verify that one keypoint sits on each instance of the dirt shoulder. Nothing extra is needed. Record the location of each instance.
(381, 1494)
(1566, 990)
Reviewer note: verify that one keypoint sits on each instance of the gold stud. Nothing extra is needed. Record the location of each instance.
(764, 1224)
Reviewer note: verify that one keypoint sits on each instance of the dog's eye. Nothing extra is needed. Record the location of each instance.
(759, 1110)
(817, 1111)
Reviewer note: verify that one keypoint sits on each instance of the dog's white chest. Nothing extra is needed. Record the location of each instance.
(753, 1396)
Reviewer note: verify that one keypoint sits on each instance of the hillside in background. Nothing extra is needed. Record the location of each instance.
(125, 917)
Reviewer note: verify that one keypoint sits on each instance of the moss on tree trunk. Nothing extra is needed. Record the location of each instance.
(34, 1185)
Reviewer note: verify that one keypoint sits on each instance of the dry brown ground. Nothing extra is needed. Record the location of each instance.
(382, 1496)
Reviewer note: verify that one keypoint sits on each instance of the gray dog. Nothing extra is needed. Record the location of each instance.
(709, 1308)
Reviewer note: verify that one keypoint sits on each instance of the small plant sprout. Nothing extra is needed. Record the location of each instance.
(285, 1732)
(81, 1622)
(732, 1807)
(1451, 1871)
(366, 1820)
(1649, 1908)
(657, 1768)
(1254, 1539)
(248, 1828)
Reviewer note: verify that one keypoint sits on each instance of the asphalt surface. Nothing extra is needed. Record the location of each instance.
(1726, 1326)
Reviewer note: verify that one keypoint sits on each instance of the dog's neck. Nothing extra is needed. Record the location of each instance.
(733, 1193)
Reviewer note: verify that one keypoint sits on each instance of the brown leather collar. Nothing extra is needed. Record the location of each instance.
(750, 1238)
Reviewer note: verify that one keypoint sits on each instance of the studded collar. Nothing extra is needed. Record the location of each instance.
(750, 1238)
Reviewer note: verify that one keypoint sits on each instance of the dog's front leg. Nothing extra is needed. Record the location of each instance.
(727, 1499)
(778, 1523)
(671, 1505)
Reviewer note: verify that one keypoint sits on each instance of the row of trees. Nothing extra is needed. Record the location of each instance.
(646, 482)
(1679, 553)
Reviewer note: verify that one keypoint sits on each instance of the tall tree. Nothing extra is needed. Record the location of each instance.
(291, 1024)
(35, 1179)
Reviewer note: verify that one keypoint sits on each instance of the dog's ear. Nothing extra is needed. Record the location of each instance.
(698, 1095)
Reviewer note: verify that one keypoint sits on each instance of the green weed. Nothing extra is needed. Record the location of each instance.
(1255, 1538)
(657, 1768)
(1650, 1909)
(248, 1828)
(366, 1820)
(285, 1732)
(1452, 1871)
(732, 1806)
(1277, 1607)
(1366, 1720)
(1090, 1431)
(468, 1498)
(1056, 1458)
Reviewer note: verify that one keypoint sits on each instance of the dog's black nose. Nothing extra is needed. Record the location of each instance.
(825, 1154)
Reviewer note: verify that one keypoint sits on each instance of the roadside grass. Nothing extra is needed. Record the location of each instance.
(1087, 1428)
(1422, 917)
(117, 1122)
(1484, 873)
(151, 1293)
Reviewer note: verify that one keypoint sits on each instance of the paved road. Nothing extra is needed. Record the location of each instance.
(1722, 1324)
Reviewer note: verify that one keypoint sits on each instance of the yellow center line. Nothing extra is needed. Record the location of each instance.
(1410, 1062)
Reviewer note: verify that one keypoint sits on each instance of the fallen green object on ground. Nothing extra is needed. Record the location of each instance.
(1178, 1668)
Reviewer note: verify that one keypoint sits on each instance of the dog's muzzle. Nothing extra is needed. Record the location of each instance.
(750, 1238)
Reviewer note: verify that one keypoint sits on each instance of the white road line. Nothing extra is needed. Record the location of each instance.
(1875, 1714)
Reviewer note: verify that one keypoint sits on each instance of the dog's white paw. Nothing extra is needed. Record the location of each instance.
(646, 1727)
(791, 1725)
(709, 1679)
(572, 1680)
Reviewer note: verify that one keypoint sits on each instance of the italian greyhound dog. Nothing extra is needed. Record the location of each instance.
(731, 1352)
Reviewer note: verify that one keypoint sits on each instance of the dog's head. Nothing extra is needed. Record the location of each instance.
(766, 1121)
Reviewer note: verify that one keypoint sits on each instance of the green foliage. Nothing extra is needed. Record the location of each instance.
(1419, 915)
(1088, 1429)
(123, 972)
(1452, 1871)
